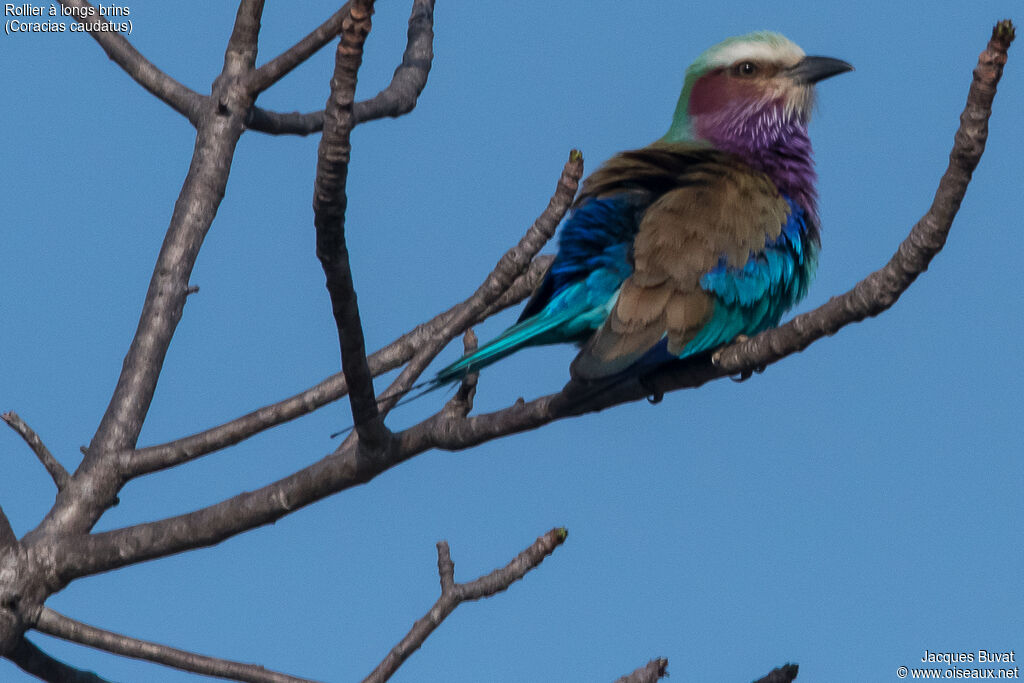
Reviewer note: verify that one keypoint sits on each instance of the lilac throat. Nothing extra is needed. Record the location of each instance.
(771, 142)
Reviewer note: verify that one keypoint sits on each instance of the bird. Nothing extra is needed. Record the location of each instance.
(709, 234)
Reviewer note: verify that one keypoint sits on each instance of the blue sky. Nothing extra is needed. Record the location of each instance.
(856, 504)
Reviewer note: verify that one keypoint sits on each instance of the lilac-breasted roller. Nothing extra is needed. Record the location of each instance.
(707, 234)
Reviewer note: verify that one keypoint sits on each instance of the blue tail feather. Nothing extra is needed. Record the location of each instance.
(525, 333)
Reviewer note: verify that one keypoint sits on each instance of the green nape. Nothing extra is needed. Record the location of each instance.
(681, 130)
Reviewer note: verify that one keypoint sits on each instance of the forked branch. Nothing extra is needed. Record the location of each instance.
(280, 66)
(454, 594)
(398, 98)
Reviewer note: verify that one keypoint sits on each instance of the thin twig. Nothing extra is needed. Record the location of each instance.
(56, 624)
(453, 594)
(784, 674)
(57, 472)
(32, 660)
(182, 99)
(280, 66)
(653, 671)
(398, 98)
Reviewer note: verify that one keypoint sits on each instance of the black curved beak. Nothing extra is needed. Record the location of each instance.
(814, 69)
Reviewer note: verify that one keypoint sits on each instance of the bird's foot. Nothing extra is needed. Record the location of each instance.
(716, 360)
(716, 357)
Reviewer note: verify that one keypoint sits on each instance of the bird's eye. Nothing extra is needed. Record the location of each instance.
(746, 69)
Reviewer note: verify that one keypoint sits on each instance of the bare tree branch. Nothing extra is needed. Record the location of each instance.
(57, 472)
(153, 458)
(182, 99)
(784, 674)
(280, 66)
(653, 671)
(398, 98)
(78, 556)
(56, 624)
(329, 204)
(453, 594)
(31, 659)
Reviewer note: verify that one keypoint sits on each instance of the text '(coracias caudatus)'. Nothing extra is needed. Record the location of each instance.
(707, 234)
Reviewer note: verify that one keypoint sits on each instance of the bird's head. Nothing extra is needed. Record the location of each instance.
(747, 90)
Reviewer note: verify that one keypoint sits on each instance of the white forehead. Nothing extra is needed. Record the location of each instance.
(762, 46)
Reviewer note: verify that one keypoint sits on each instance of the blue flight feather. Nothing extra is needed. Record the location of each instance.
(753, 298)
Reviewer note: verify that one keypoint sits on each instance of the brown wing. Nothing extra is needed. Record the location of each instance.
(718, 210)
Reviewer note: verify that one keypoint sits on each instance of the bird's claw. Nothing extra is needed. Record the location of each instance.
(747, 374)
(654, 396)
